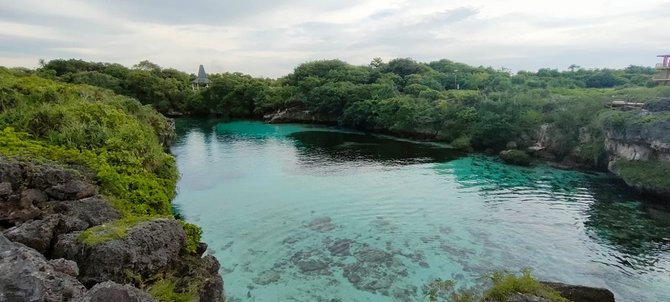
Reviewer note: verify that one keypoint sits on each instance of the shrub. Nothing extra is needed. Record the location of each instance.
(461, 143)
(515, 157)
(193, 234)
(115, 137)
(506, 284)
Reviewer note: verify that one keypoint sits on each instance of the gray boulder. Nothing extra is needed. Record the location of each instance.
(28, 276)
(578, 293)
(93, 210)
(11, 172)
(113, 292)
(12, 213)
(150, 247)
(64, 266)
(42, 176)
(73, 189)
(212, 289)
(5, 189)
(38, 234)
(33, 196)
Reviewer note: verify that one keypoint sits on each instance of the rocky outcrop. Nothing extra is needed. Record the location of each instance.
(573, 293)
(150, 247)
(93, 210)
(297, 115)
(28, 276)
(649, 138)
(114, 292)
(578, 293)
(45, 207)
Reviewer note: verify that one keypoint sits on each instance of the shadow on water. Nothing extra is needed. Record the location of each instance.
(614, 215)
(184, 126)
(618, 218)
(319, 147)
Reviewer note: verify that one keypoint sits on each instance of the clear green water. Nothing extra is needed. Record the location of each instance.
(307, 213)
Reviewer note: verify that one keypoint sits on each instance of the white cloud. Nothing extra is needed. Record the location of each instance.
(263, 37)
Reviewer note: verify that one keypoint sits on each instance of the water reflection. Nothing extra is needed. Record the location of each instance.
(385, 216)
(321, 147)
(613, 214)
(635, 228)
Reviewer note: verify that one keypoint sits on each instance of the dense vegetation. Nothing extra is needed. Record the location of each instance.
(470, 107)
(477, 108)
(117, 138)
(83, 125)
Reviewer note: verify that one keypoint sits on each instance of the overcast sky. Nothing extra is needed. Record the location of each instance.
(270, 37)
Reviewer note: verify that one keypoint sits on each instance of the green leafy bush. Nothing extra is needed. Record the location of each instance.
(502, 285)
(193, 234)
(515, 157)
(506, 284)
(115, 137)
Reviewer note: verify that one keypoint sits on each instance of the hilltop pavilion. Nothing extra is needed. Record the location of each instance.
(201, 81)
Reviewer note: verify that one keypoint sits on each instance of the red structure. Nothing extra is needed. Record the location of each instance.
(663, 70)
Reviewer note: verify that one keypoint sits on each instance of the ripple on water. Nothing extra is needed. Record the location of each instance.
(321, 216)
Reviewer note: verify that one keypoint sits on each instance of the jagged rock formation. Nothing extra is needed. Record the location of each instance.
(45, 207)
(577, 293)
(148, 248)
(28, 276)
(640, 141)
(114, 292)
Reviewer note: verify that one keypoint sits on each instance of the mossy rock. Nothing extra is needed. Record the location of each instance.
(651, 177)
(516, 157)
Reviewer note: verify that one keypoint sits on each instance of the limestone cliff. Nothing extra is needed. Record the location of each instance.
(646, 140)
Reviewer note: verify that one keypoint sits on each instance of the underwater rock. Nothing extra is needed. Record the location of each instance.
(456, 252)
(267, 277)
(292, 239)
(311, 263)
(429, 239)
(407, 294)
(321, 224)
(368, 254)
(375, 270)
(227, 246)
(446, 230)
(372, 278)
(340, 247)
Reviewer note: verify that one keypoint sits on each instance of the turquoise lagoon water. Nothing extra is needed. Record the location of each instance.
(310, 213)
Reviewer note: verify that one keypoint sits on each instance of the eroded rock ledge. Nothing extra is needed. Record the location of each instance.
(44, 208)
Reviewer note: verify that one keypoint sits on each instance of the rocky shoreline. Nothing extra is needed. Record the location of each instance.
(643, 142)
(45, 208)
